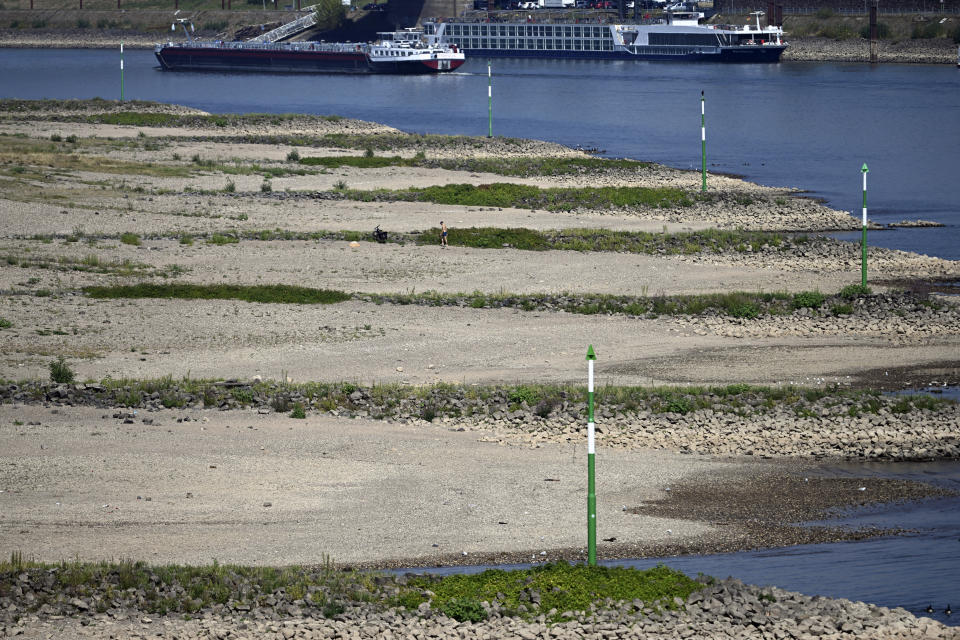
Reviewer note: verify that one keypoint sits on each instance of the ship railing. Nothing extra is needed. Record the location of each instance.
(546, 20)
(284, 30)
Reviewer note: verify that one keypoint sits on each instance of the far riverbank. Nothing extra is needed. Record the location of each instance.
(806, 49)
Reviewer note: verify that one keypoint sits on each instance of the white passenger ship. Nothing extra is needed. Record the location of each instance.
(679, 35)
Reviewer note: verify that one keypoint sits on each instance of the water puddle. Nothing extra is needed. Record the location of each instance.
(952, 392)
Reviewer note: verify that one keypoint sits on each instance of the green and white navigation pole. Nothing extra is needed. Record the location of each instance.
(489, 100)
(591, 468)
(703, 142)
(863, 239)
(121, 71)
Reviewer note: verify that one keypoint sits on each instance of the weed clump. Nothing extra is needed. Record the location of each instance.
(808, 300)
(130, 238)
(60, 371)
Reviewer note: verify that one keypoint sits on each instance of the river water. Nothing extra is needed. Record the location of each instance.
(805, 125)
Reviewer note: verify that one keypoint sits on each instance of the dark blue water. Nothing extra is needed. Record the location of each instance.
(911, 571)
(807, 125)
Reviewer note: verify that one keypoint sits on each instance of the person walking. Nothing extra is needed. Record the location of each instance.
(443, 234)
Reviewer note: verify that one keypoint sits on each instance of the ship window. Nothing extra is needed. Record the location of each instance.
(576, 32)
(476, 30)
(683, 39)
(511, 30)
(521, 43)
(549, 31)
(539, 43)
(484, 43)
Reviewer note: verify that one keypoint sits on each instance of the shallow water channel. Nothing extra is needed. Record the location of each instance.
(911, 571)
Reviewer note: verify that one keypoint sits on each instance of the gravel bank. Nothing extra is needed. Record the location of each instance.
(725, 609)
(858, 427)
(807, 49)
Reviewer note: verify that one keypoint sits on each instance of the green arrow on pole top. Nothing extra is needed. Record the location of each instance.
(590, 354)
(864, 168)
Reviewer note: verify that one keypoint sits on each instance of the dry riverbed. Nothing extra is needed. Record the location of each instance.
(192, 484)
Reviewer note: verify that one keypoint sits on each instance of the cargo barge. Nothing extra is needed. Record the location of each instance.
(403, 52)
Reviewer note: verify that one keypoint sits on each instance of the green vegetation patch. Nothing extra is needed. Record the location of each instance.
(570, 589)
(503, 194)
(738, 304)
(280, 293)
(707, 241)
(361, 162)
(326, 591)
(166, 589)
(525, 167)
(686, 243)
(505, 166)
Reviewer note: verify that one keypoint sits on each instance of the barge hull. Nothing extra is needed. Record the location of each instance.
(204, 59)
(212, 59)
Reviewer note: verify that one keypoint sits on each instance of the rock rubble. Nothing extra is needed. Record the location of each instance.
(843, 425)
(722, 609)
